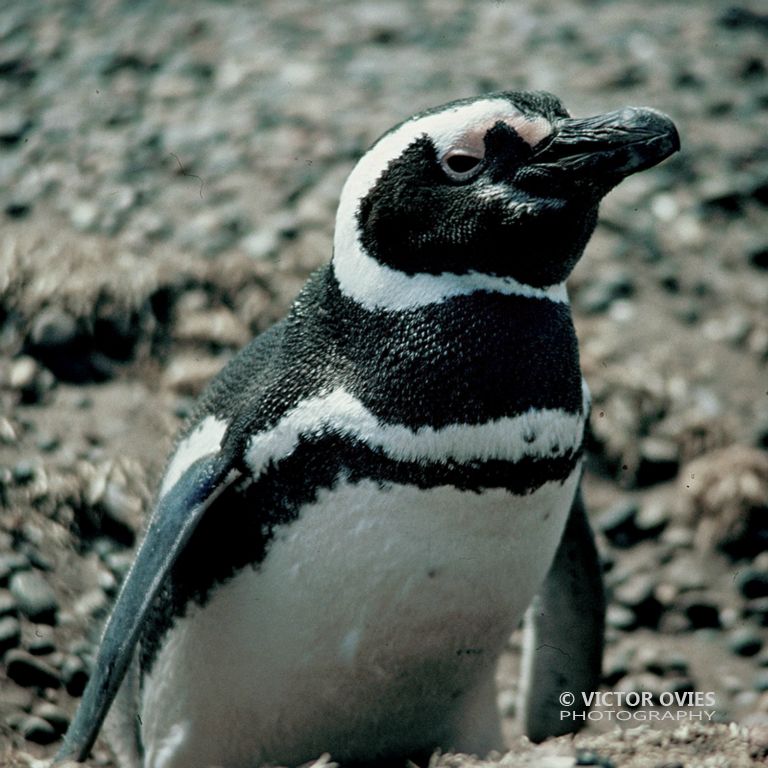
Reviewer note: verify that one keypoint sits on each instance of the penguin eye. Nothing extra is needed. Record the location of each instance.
(460, 164)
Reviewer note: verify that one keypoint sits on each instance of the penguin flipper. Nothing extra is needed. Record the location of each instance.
(564, 627)
(175, 517)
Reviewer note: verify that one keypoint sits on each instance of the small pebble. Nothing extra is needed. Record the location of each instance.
(10, 633)
(261, 244)
(617, 665)
(189, 374)
(53, 714)
(587, 757)
(678, 536)
(119, 563)
(597, 297)
(10, 563)
(8, 433)
(41, 642)
(620, 617)
(652, 517)
(659, 662)
(7, 603)
(758, 609)
(74, 675)
(659, 461)
(48, 443)
(84, 215)
(34, 596)
(218, 327)
(700, 611)
(638, 595)
(13, 125)
(761, 681)
(53, 327)
(31, 380)
(745, 642)
(23, 472)
(120, 510)
(752, 583)
(94, 602)
(38, 731)
(618, 524)
(27, 670)
(107, 582)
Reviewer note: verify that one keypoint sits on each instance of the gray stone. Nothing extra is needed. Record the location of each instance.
(48, 443)
(41, 641)
(7, 603)
(34, 596)
(261, 244)
(664, 663)
(121, 510)
(620, 617)
(27, 670)
(119, 563)
(24, 472)
(700, 610)
(13, 125)
(618, 523)
(10, 633)
(10, 563)
(8, 432)
(56, 716)
(597, 297)
(74, 675)
(659, 461)
(752, 583)
(745, 642)
(617, 665)
(84, 215)
(757, 609)
(652, 517)
(38, 731)
(638, 594)
(685, 572)
(53, 327)
(761, 681)
(30, 380)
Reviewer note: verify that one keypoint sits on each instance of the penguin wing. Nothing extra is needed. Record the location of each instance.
(178, 511)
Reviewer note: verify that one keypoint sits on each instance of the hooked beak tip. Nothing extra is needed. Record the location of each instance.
(612, 145)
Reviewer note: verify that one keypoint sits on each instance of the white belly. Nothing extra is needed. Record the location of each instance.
(371, 622)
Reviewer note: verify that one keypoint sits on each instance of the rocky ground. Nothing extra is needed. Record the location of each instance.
(168, 177)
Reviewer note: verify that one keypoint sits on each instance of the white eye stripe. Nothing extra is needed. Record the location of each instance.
(376, 285)
(453, 128)
(445, 130)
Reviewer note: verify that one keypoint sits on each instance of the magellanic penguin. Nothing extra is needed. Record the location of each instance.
(370, 495)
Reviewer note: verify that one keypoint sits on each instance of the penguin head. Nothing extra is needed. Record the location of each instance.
(503, 186)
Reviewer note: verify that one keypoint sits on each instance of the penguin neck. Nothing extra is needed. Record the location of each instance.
(377, 286)
(471, 357)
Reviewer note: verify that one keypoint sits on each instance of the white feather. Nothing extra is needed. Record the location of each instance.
(404, 598)
(537, 433)
(203, 440)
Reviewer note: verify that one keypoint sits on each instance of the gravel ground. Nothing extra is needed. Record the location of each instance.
(168, 177)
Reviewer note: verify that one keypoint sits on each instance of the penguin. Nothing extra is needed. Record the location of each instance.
(373, 493)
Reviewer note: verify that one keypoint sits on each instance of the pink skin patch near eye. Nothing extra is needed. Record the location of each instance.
(472, 142)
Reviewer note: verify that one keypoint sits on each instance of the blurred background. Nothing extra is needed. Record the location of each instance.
(169, 173)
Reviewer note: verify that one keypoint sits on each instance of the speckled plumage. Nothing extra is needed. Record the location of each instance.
(370, 494)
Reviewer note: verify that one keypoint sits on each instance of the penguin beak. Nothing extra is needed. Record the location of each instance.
(604, 149)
